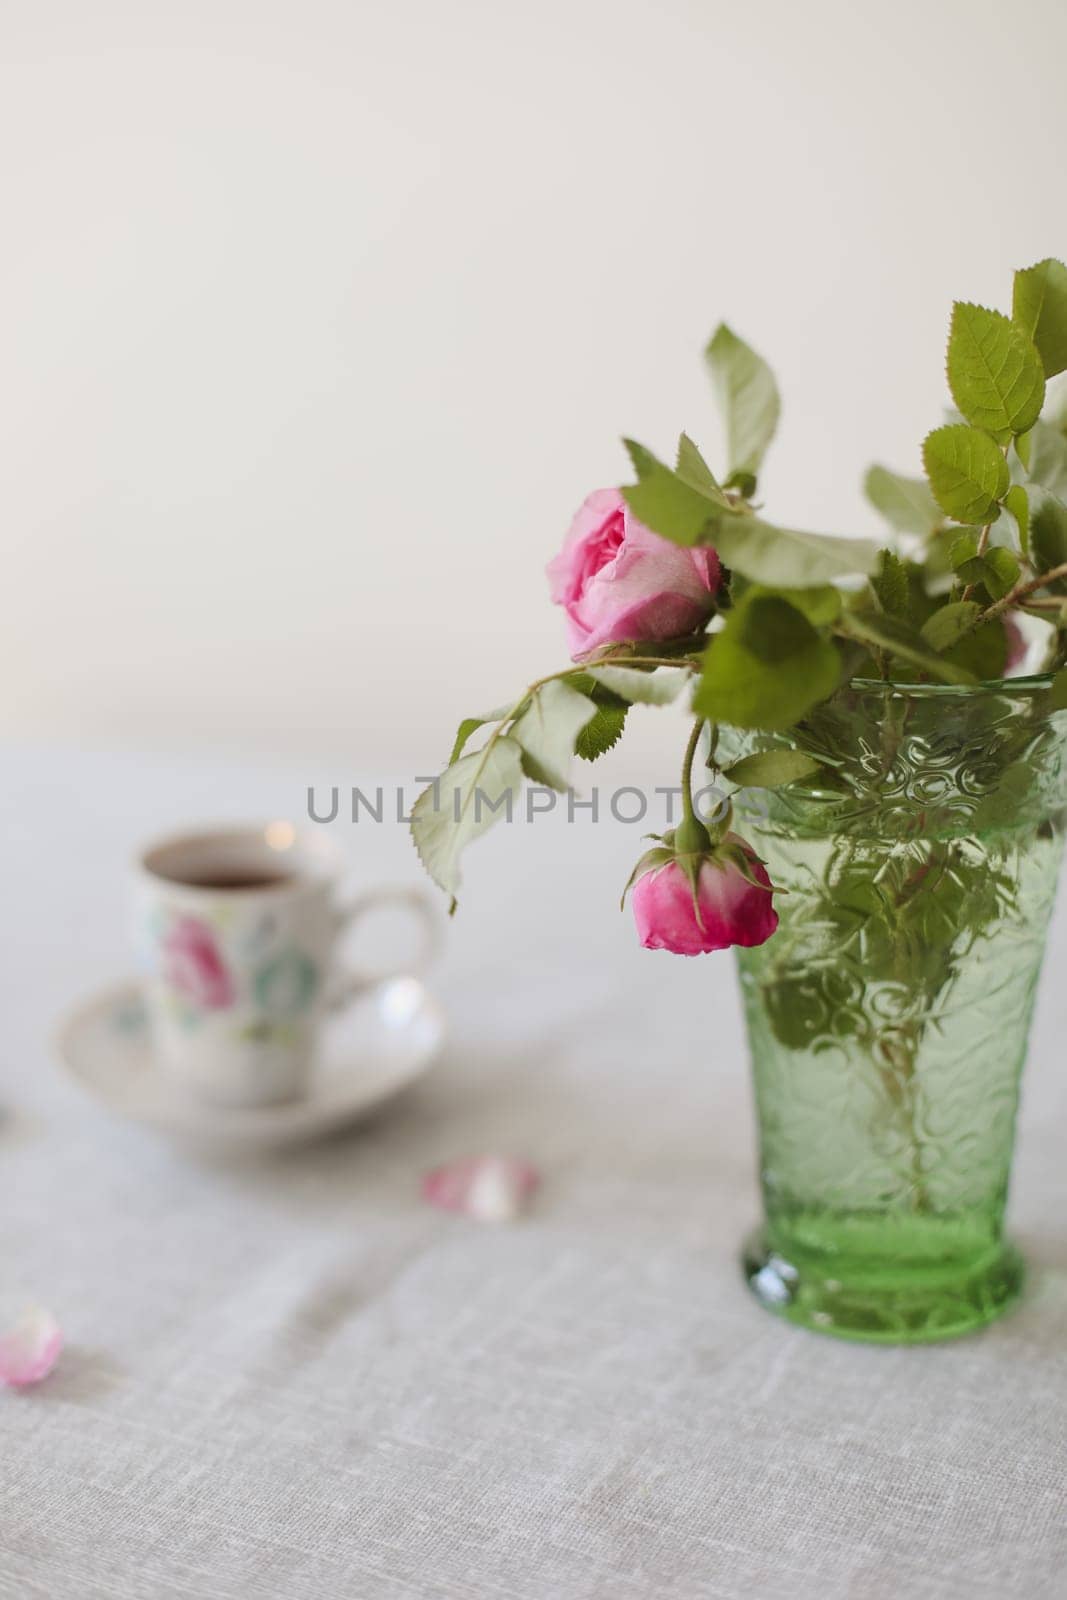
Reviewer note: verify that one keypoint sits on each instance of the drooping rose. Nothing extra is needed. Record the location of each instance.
(619, 582)
(732, 910)
(193, 965)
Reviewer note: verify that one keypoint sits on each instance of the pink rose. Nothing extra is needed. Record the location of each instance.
(619, 582)
(192, 965)
(732, 910)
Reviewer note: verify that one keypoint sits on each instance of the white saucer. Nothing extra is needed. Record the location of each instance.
(369, 1053)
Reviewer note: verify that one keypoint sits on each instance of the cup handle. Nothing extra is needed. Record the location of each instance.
(347, 986)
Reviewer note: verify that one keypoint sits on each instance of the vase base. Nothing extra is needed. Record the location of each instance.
(879, 1305)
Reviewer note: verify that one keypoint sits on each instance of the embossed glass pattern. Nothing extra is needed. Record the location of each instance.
(888, 1016)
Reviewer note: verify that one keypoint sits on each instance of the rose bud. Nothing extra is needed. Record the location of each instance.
(620, 583)
(693, 904)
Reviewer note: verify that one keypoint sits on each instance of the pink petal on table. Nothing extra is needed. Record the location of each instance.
(30, 1349)
(489, 1188)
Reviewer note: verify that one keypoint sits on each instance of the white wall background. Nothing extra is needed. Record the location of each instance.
(317, 319)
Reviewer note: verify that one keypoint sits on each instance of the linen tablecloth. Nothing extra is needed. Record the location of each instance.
(286, 1378)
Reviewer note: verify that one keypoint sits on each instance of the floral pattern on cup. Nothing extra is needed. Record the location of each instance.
(261, 1032)
(193, 965)
(287, 984)
(258, 940)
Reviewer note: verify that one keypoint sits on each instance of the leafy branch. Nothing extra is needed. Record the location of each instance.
(1021, 591)
(532, 739)
(784, 618)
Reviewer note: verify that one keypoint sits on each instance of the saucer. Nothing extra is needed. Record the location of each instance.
(369, 1053)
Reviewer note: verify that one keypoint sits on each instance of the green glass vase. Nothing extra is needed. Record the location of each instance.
(888, 1016)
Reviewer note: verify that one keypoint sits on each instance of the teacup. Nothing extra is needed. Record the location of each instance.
(238, 927)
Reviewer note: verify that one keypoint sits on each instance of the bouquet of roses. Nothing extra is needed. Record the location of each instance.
(678, 585)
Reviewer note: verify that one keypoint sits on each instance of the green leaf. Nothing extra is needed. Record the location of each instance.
(1039, 306)
(1002, 571)
(889, 633)
(994, 372)
(983, 653)
(602, 733)
(586, 684)
(466, 800)
(770, 769)
(1048, 535)
(906, 503)
(748, 397)
(605, 729)
(1057, 695)
(767, 667)
(547, 731)
(1048, 458)
(821, 605)
(656, 688)
(890, 584)
(785, 558)
(1023, 447)
(1017, 503)
(997, 571)
(781, 557)
(1055, 409)
(949, 624)
(665, 502)
(936, 562)
(694, 470)
(963, 549)
(967, 472)
(972, 571)
(469, 726)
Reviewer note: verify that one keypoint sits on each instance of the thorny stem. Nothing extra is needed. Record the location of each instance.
(896, 1057)
(897, 1052)
(575, 671)
(569, 672)
(899, 1078)
(631, 661)
(983, 541)
(1021, 591)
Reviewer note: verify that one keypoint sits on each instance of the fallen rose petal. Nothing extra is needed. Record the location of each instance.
(30, 1350)
(489, 1188)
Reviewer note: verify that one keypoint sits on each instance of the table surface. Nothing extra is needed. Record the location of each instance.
(288, 1379)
